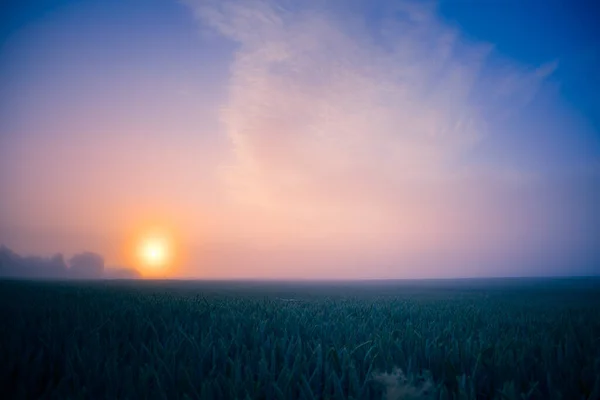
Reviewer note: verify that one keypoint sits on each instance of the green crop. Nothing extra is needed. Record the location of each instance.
(169, 340)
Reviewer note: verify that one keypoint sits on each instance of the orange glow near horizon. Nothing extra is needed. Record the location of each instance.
(155, 250)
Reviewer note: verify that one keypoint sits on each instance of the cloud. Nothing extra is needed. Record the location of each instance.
(344, 134)
(86, 265)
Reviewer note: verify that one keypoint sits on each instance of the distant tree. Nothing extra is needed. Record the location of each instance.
(15, 266)
(86, 265)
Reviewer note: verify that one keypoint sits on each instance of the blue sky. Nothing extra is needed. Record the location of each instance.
(534, 32)
(353, 133)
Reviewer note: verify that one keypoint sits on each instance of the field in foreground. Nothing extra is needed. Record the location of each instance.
(496, 339)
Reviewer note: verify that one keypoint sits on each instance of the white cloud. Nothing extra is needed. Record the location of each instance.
(344, 134)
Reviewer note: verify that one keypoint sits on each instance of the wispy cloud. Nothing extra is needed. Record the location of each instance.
(345, 133)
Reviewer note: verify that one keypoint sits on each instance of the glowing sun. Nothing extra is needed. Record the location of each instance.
(154, 253)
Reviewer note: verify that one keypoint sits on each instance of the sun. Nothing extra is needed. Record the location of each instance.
(155, 254)
(154, 247)
(154, 251)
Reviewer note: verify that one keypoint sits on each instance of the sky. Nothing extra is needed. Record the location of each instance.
(312, 140)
